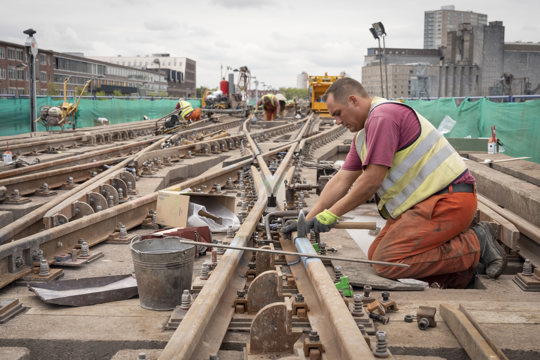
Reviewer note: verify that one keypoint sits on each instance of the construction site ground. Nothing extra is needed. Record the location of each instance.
(123, 329)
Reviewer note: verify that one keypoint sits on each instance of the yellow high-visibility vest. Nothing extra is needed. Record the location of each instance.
(185, 108)
(418, 171)
(271, 97)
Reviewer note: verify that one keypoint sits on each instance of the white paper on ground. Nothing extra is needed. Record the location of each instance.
(216, 209)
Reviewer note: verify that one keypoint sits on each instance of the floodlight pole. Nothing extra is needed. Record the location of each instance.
(385, 64)
(31, 53)
(380, 66)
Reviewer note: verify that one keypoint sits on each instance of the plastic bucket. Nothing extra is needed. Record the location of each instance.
(163, 269)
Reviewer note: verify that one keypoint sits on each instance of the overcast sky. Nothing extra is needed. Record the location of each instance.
(276, 40)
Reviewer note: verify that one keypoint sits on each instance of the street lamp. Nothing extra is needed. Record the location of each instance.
(379, 29)
(376, 36)
(31, 53)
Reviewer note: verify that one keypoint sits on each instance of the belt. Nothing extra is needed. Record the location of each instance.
(462, 187)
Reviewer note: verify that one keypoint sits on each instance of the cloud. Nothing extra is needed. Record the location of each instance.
(241, 4)
(277, 40)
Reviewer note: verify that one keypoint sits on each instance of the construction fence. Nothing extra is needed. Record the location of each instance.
(15, 112)
(517, 124)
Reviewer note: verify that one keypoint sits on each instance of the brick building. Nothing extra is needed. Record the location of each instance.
(14, 69)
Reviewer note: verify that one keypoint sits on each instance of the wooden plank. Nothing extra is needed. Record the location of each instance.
(530, 250)
(508, 233)
(494, 347)
(468, 336)
(518, 196)
(524, 170)
(526, 228)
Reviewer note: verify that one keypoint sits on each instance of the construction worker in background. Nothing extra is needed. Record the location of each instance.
(422, 187)
(282, 103)
(270, 105)
(187, 112)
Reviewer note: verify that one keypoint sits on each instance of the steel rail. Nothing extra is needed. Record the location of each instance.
(28, 221)
(12, 262)
(77, 159)
(186, 340)
(28, 144)
(65, 207)
(341, 330)
(8, 232)
(30, 183)
(17, 257)
(188, 337)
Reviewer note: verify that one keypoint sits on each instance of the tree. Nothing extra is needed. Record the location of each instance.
(117, 92)
(78, 90)
(52, 89)
(200, 91)
(294, 93)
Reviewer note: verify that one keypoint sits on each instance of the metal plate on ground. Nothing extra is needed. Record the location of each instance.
(88, 291)
(80, 261)
(9, 308)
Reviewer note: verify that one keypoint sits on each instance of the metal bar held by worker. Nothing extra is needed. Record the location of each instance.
(281, 252)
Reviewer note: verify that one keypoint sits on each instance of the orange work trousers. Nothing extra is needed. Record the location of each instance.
(195, 115)
(434, 239)
(270, 114)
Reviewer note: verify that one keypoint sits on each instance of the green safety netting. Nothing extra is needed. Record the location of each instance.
(517, 124)
(15, 113)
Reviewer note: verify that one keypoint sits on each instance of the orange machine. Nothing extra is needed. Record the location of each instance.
(317, 87)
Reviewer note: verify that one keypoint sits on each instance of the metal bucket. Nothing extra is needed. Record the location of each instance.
(163, 269)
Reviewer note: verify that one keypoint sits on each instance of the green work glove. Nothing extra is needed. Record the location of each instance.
(322, 222)
(289, 227)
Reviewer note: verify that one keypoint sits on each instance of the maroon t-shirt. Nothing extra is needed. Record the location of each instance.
(389, 128)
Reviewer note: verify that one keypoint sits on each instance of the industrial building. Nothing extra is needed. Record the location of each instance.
(475, 62)
(437, 24)
(180, 72)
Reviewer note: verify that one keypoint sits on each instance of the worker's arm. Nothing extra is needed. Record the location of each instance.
(334, 190)
(363, 189)
(339, 200)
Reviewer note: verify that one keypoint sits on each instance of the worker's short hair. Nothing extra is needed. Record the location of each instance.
(342, 88)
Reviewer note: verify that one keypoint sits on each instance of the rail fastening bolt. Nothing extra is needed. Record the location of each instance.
(44, 268)
(382, 348)
(186, 300)
(527, 268)
(204, 271)
(337, 273)
(84, 249)
(423, 323)
(358, 309)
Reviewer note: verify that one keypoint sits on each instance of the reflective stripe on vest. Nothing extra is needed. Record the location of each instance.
(272, 99)
(185, 108)
(421, 169)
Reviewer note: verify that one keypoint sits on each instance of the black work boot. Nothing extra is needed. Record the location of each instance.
(492, 254)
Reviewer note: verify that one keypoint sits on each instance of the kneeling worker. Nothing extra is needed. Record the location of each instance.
(270, 105)
(186, 111)
(422, 187)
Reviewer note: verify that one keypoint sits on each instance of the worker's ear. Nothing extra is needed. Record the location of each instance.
(353, 100)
